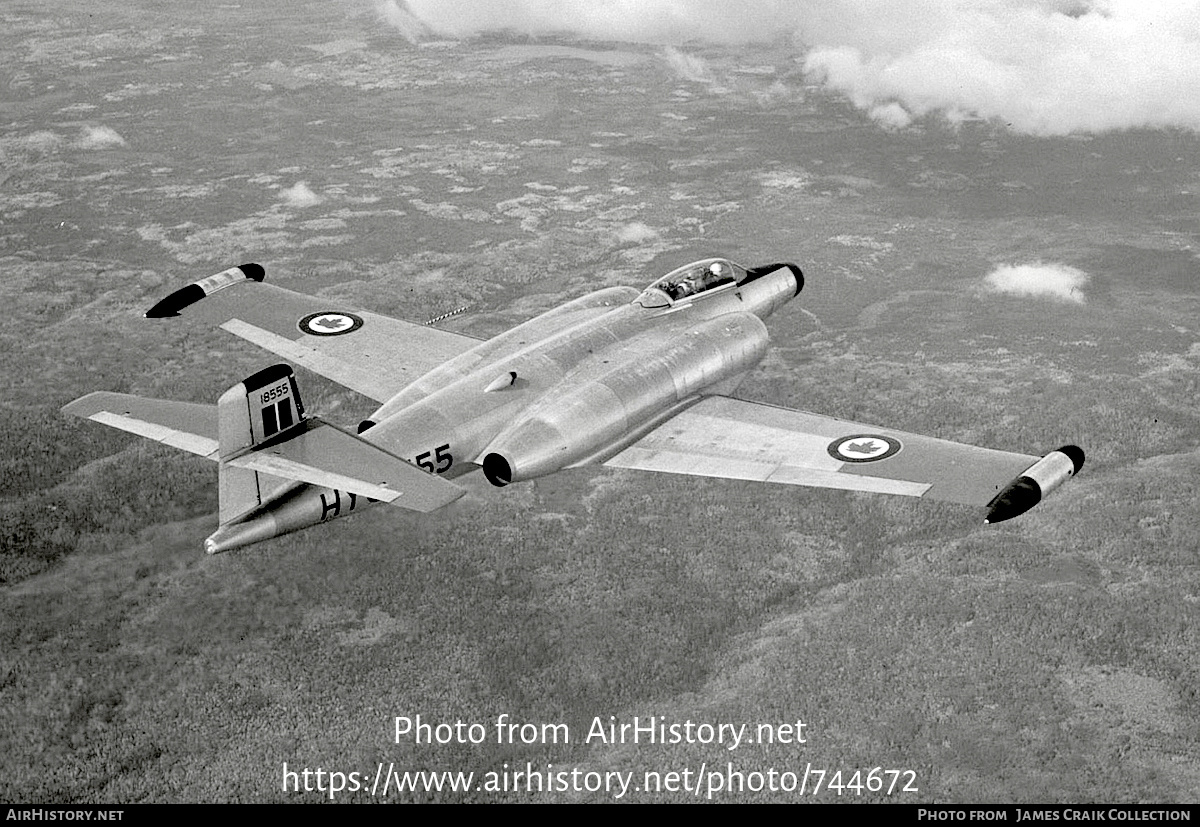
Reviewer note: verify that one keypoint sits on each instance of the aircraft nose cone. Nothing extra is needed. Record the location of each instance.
(497, 470)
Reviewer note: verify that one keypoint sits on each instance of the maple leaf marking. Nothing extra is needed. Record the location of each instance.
(329, 323)
(867, 447)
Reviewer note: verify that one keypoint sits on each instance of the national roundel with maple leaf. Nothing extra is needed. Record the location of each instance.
(329, 323)
(863, 448)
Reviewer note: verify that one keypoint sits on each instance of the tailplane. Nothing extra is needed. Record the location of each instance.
(263, 444)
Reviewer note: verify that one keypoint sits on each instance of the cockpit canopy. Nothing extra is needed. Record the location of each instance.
(683, 284)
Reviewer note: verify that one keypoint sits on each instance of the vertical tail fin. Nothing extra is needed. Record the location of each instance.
(261, 408)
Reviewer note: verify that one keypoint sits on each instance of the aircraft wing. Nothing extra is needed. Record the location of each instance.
(374, 355)
(723, 437)
(189, 426)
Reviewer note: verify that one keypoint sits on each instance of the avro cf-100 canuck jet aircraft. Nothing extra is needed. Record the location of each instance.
(618, 377)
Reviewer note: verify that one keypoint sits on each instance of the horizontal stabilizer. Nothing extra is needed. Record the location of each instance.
(328, 456)
(189, 426)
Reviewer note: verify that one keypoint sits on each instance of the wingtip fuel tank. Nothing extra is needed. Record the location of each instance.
(1029, 488)
(184, 297)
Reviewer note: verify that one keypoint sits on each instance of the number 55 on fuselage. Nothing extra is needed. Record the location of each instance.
(618, 377)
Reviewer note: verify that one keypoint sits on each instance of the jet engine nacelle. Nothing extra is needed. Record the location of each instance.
(589, 411)
(537, 328)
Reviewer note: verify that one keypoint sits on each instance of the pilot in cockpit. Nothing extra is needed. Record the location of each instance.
(714, 275)
(697, 280)
(711, 276)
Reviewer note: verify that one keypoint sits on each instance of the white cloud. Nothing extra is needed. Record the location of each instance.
(890, 115)
(688, 67)
(1043, 66)
(99, 137)
(636, 232)
(300, 196)
(1039, 279)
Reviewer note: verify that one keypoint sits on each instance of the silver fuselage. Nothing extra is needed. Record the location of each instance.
(572, 386)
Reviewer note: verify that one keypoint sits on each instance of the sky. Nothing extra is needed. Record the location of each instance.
(1042, 67)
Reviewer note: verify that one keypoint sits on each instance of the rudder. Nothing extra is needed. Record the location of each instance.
(263, 407)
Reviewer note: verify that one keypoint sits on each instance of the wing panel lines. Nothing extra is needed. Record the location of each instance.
(330, 367)
(189, 426)
(724, 437)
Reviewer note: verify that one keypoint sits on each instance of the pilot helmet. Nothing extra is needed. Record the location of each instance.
(716, 268)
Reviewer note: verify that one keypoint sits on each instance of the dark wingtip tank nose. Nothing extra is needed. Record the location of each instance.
(197, 290)
(178, 300)
(1020, 496)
